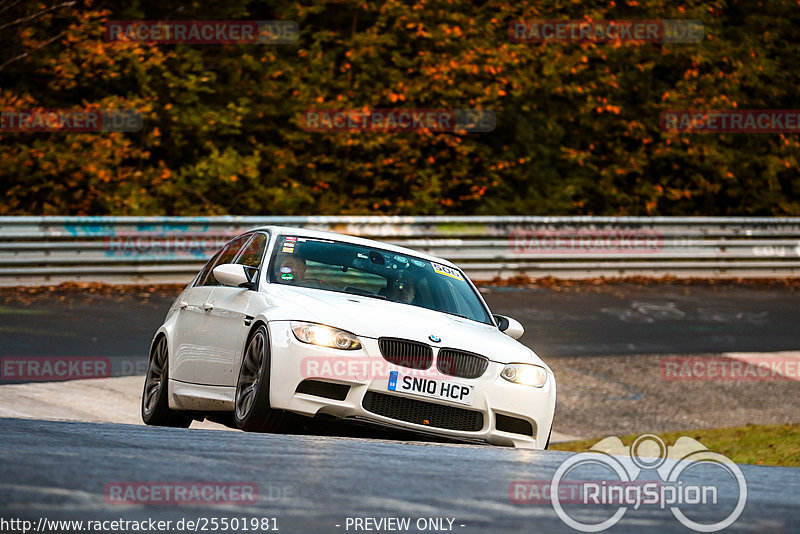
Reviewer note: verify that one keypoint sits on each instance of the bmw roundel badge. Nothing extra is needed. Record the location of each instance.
(434, 338)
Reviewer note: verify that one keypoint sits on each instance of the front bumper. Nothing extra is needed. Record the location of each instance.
(365, 371)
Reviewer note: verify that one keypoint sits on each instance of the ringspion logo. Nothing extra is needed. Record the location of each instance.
(571, 492)
(682, 478)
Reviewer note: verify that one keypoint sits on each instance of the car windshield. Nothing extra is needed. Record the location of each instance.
(375, 273)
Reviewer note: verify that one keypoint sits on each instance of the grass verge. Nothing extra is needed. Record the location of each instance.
(751, 444)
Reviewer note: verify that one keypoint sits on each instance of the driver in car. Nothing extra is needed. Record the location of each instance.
(292, 269)
(401, 291)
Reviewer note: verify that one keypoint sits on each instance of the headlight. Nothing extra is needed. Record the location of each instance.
(527, 375)
(325, 336)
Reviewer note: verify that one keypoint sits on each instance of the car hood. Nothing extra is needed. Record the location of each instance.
(375, 318)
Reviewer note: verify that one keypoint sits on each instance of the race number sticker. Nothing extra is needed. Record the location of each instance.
(445, 270)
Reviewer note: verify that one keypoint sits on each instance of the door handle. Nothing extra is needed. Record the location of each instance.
(208, 306)
(183, 304)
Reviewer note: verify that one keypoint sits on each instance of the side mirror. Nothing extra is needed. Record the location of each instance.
(234, 275)
(509, 326)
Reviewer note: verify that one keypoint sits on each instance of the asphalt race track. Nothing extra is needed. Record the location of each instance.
(58, 470)
(611, 320)
(658, 319)
(55, 470)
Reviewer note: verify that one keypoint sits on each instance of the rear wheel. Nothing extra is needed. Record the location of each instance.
(252, 411)
(155, 405)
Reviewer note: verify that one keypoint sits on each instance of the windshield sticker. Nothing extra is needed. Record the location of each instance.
(286, 269)
(291, 239)
(447, 271)
(288, 246)
(287, 277)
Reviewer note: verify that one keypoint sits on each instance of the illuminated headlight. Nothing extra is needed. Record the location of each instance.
(325, 336)
(527, 375)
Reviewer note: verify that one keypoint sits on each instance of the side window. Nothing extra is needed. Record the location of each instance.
(226, 256)
(254, 251)
(207, 268)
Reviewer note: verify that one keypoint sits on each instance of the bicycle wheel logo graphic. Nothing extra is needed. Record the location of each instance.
(649, 454)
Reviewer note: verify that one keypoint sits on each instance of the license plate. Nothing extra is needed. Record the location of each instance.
(431, 388)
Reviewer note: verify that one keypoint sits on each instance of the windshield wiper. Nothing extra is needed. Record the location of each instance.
(372, 296)
(365, 293)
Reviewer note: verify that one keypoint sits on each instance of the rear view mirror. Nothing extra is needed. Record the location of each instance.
(510, 327)
(232, 274)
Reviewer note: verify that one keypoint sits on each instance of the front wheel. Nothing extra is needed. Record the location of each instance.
(252, 411)
(155, 405)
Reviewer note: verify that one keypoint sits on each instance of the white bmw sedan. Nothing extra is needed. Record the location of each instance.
(322, 324)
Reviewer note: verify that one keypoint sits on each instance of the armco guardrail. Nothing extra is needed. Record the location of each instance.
(35, 250)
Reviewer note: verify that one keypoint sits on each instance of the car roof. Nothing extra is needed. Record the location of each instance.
(321, 234)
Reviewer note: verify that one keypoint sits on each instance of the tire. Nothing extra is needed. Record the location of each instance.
(155, 405)
(252, 411)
